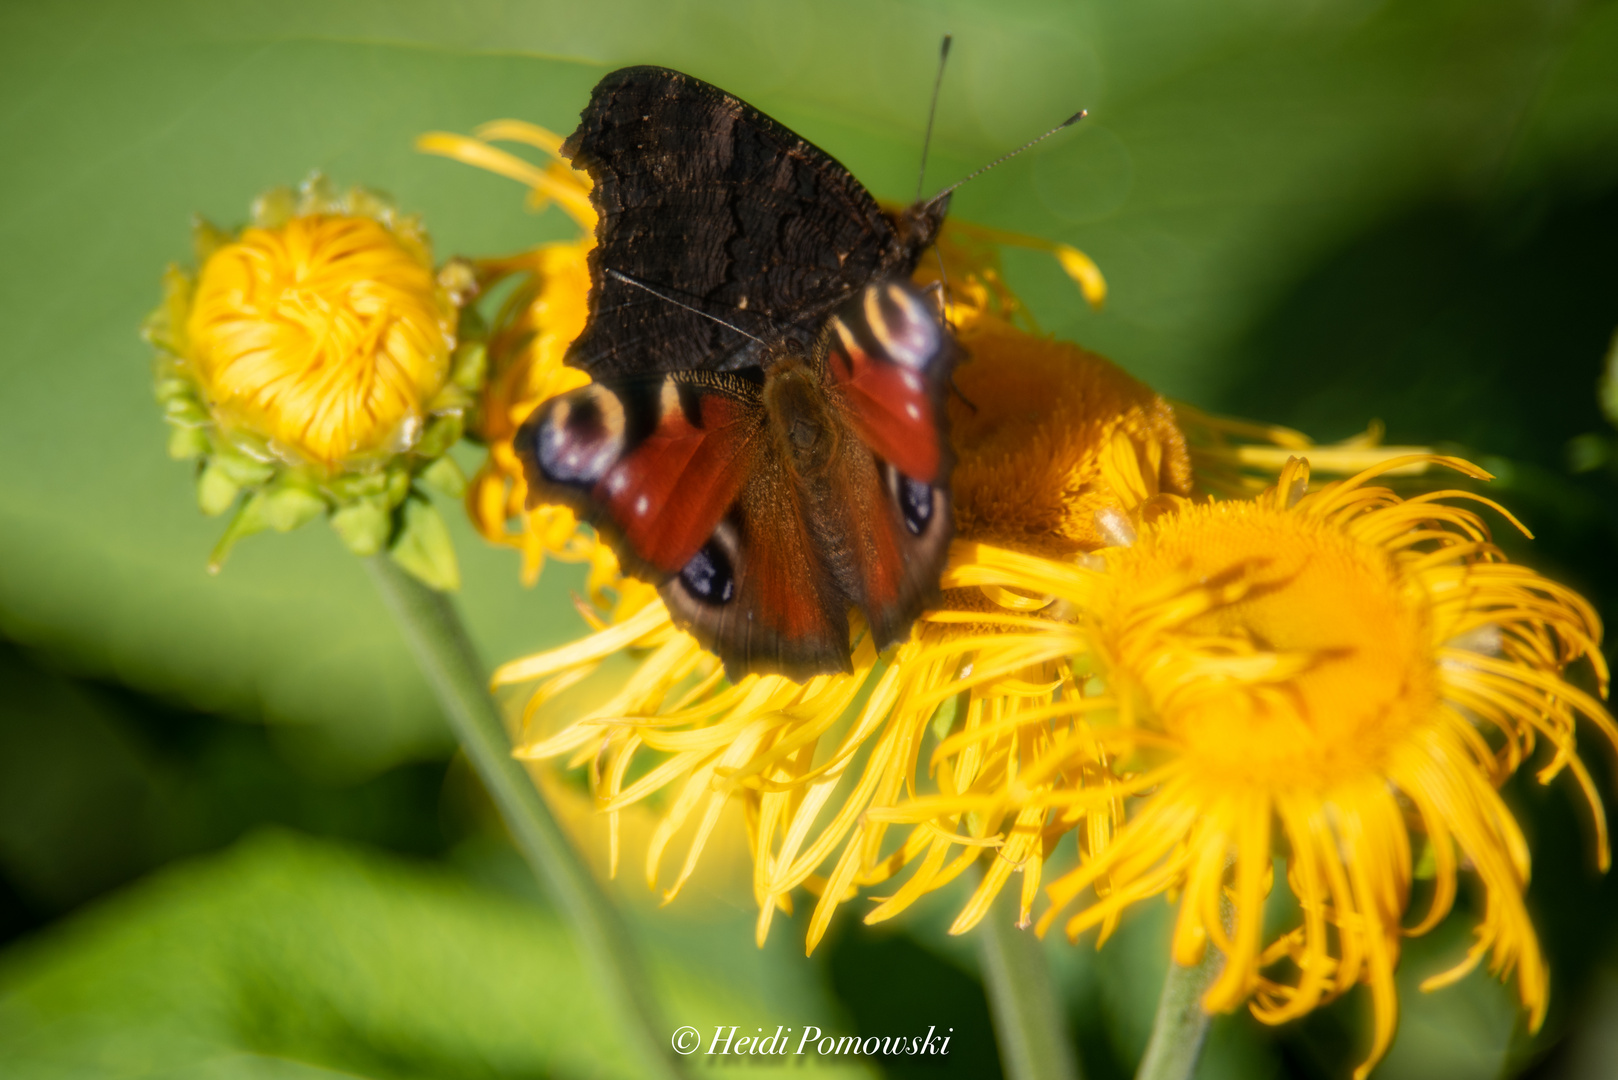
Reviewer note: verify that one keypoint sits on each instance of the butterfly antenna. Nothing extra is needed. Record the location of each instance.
(1003, 158)
(627, 280)
(932, 110)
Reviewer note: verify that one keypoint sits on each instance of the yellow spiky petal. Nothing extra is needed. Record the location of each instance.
(1336, 670)
(815, 772)
(327, 337)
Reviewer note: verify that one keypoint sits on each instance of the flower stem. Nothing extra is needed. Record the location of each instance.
(447, 658)
(1026, 1007)
(1181, 1026)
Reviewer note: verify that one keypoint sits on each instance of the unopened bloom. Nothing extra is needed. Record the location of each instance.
(313, 364)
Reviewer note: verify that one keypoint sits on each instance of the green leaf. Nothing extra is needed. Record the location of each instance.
(216, 489)
(470, 364)
(445, 477)
(244, 470)
(289, 504)
(291, 957)
(441, 434)
(424, 548)
(396, 485)
(185, 411)
(248, 519)
(364, 525)
(186, 443)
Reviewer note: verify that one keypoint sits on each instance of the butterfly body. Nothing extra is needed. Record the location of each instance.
(764, 436)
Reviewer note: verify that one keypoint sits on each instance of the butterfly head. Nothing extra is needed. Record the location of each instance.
(917, 226)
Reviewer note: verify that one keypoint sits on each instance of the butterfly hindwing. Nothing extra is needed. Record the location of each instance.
(888, 361)
(711, 202)
(750, 595)
(653, 463)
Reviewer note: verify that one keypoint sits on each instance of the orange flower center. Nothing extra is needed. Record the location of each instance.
(1276, 649)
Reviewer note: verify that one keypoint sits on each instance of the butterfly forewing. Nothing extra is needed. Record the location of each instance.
(711, 202)
(886, 352)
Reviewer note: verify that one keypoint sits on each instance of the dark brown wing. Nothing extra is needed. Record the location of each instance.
(711, 202)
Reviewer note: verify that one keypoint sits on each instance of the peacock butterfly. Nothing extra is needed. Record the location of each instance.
(764, 435)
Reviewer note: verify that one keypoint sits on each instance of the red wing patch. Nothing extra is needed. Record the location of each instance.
(784, 613)
(894, 558)
(892, 412)
(669, 492)
(893, 406)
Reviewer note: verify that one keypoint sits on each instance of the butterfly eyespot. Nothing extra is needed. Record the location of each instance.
(709, 576)
(581, 437)
(916, 499)
(901, 324)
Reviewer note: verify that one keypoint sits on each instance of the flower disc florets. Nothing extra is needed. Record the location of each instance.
(1335, 694)
(315, 363)
(1343, 677)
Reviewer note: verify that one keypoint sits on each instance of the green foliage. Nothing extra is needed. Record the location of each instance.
(288, 957)
(424, 548)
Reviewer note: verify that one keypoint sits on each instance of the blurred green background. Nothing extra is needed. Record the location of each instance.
(233, 841)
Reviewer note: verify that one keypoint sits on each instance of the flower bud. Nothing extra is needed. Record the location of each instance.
(316, 365)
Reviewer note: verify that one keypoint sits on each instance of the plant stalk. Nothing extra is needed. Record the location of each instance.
(446, 655)
(1023, 999)
(1181, 1027)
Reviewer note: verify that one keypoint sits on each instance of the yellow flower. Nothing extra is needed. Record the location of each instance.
(313, 364)
(810, 763)
(527, 345)
(1242, 458)
(1037, 442)
(1334, 677)
(538, 322)
(325, 337)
